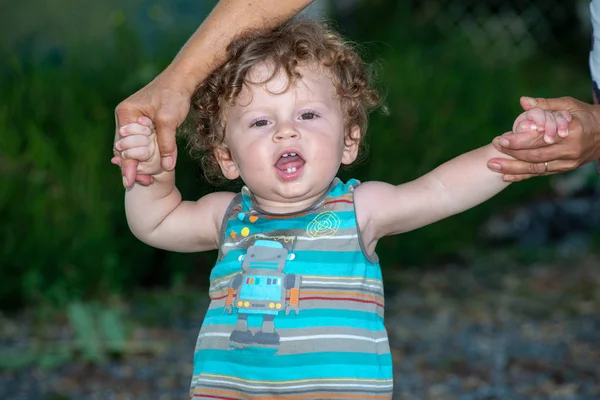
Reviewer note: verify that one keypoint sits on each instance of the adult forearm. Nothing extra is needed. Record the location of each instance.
(205, 50)
(148, 206)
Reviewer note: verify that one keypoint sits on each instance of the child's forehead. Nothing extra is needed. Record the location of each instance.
(265, 77)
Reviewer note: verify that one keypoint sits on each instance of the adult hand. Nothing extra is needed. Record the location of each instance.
(535, 157)
(167, 104)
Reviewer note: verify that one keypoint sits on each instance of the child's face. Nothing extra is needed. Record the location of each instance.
(287, 146)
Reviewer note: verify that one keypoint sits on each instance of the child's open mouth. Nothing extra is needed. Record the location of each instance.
(289, 166)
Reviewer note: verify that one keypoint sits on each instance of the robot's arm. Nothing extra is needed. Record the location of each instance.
(234, 284)
(292, 283)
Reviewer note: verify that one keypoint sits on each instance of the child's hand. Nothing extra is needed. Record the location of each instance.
(137, 141)
(553, 124)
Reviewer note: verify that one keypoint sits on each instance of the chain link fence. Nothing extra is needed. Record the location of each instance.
(508, 29)
(502, 29)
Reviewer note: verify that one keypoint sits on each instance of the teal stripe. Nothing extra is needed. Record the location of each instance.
(312, 318)
(243, 363)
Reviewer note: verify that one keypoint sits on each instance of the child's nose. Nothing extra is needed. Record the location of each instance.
(286, 131)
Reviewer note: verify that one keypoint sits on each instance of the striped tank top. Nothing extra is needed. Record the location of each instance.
(296, 307)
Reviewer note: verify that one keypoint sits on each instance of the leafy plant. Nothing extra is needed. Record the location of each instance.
(99, 332)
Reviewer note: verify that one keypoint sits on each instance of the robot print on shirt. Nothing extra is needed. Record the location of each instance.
(262, 289)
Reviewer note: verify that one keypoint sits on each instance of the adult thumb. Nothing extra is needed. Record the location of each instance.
(555, 104)
(165, 135)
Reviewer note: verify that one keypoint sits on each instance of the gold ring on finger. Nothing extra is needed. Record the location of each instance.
(545, 167)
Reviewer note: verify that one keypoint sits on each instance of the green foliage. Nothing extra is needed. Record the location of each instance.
(61, 201)
(445, 100)
(64, 235)
(99, 332)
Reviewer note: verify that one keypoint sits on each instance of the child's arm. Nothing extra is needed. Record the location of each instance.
(457, 185)
(453, 187)
(156, 213)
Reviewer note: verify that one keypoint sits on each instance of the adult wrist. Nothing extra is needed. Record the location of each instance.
(177, 78)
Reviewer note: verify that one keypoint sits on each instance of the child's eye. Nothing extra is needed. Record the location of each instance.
(259, 123)
(309, 115)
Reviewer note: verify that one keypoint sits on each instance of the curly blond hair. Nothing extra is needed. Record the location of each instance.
(294, 43)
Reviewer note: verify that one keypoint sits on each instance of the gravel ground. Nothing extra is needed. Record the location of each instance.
(528, 333)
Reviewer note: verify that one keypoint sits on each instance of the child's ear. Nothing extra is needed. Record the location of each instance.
(351, 145)
(228, 166)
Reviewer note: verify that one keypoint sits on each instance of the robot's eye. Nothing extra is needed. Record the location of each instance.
(279, 256)
(251, 255)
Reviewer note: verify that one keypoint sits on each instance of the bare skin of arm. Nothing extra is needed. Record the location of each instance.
(166, 100)
(531, 152)
(453, 187)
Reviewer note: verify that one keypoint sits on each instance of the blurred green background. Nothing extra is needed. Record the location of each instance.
(89, 312)
(66, 65)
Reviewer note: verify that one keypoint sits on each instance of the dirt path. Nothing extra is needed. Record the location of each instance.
(487, 333)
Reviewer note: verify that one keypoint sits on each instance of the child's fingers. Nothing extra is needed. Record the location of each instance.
(550, 128)
(538, 117)
(525, 126)
(116, 160)
(129, 142)
(144, 179)
(531, 120)
(135, 129)
(137, 153)
(567, 115)
(562, 124)
(520, 122)
(146, 122)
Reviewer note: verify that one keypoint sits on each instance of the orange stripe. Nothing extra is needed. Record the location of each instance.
(200, 392)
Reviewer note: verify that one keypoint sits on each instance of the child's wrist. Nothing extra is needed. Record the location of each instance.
(163, 175)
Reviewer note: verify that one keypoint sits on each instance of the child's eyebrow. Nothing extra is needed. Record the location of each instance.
(314, 102)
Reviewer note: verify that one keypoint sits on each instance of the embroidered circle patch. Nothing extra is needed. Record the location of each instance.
(324, 224)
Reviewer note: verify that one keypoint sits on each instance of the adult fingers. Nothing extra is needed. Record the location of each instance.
(522, 177)
(166, 129)
(517, 141)
(535, 155)
(517, 178)
(516, 167)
